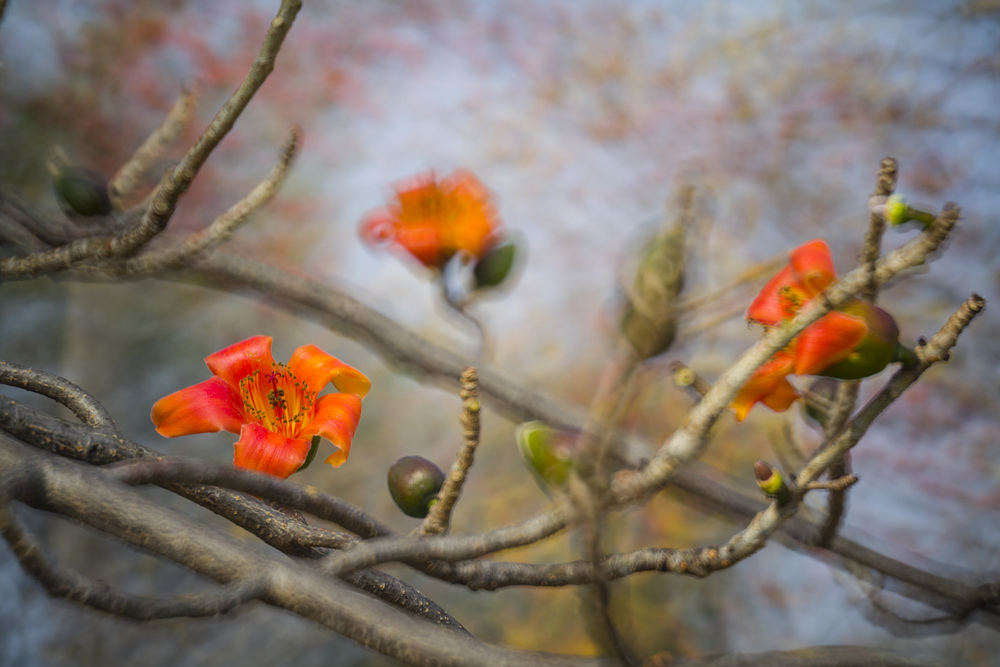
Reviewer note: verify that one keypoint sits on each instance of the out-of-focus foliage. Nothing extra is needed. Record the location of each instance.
(581, 117)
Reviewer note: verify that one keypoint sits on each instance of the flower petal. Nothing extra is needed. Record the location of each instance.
(378, 227)
(239, 360)
(315, 369)
(768, 384)
(272, 453)
(830, 339)
(207, 407)
(772, 305)
(422, 239)
(812, 265)
(336, 419)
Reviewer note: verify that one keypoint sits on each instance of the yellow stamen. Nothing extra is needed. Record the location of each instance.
(277, 400)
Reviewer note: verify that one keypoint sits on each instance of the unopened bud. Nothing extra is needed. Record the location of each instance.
(414, 483)
(771, 482)
(650, 319)
(896, 211)
(82, 193)
(547, 453)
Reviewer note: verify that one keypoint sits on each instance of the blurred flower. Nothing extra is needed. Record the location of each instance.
(433, 220)
(274, 407)
(858, 340)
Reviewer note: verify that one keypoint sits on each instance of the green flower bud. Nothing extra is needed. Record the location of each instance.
(896, 212)
(771, 482)
(494, 267)
(547, 453)
(414, 483)
(82, 193)
(649, 321)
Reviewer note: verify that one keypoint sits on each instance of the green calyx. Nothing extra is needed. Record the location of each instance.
(876, 350)
(495, 266)
(313, 446)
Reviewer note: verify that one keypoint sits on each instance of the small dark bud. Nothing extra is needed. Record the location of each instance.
(414, 483)
(82, 193)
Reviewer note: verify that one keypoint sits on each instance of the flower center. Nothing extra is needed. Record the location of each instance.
(791, 299)
(278, 401)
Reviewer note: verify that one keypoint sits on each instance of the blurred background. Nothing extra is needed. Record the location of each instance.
(582, 117)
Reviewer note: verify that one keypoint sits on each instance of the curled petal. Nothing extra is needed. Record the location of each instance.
(336, 419)
(377, 228)
(239, 360)
(207, 407)
(812, 265)
(261, 450)
(769, 385)
(830, 339)
(315, 369)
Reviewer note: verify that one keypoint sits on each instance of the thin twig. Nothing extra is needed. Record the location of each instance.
(439, 516)
(836, 417)
(686, 377)
(87, 409)
(126, 180)
(885, 185)
(223, 227)
(835, 484)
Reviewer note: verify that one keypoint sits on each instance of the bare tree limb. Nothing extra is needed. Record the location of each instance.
(87, 495)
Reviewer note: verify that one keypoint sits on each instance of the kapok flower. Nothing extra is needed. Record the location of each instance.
(275, 408)
(858, 340)
(433, 219)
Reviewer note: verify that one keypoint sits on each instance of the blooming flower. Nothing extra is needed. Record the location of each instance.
(433, 219)
(858, 340)
(274, 407)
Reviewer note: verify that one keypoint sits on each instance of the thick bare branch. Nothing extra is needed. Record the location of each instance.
(87, 495)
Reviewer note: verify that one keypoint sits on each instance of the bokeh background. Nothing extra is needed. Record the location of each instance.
(582, 117)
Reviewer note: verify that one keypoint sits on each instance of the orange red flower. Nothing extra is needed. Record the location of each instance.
(858, 340)
(275, 408)
(433, 220)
